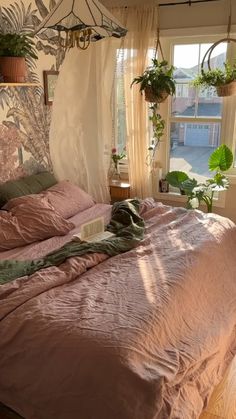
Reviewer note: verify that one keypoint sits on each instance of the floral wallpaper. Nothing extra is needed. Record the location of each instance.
(24, 118)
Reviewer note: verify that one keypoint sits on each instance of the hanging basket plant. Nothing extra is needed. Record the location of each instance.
(223, 79)
(157, 81)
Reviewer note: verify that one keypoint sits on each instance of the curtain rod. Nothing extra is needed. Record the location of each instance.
(188, 2)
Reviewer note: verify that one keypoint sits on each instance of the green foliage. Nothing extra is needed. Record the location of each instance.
(216, 77)
(176, 178)
(158, 124)
(220, 160)
(159, 77)
(17, 45)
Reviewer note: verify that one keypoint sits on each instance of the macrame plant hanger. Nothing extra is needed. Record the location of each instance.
(158, 123)
(149, 94)
(228, 89)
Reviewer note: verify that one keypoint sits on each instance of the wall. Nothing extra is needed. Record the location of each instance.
(214, 13)
(24, 118)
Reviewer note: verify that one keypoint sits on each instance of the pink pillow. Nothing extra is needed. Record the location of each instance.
(32, 218)
(68, 199)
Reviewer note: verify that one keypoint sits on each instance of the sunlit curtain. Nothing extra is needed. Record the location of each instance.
(81, 128)
(228, 127)
(138, 46)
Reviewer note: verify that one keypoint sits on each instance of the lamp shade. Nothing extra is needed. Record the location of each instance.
(79, 15)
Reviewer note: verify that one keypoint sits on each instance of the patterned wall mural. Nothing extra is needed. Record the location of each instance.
(24, 118)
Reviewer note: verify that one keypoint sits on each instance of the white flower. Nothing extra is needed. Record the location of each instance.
(194, 203)
(200, 188)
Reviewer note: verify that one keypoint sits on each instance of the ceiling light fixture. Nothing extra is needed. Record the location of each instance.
(83, 21)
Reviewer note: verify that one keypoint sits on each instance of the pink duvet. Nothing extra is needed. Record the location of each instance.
(143, 335)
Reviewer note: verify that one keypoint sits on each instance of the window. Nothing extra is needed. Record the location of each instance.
(119, 119)
(195, 118)
(123, 59)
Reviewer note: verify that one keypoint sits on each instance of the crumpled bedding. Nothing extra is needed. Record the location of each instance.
(143, 335)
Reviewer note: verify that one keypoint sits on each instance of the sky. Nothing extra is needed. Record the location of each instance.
(186, 56)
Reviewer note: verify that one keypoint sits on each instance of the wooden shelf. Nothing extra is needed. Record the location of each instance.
(19, 84)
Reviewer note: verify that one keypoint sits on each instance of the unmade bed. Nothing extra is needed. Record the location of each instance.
(145, 334)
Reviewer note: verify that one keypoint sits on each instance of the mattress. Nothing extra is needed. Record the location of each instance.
(146, 334)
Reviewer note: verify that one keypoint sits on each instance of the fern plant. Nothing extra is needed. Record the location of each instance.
(17, 45)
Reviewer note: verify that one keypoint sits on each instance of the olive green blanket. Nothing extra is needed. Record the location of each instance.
(125, 222)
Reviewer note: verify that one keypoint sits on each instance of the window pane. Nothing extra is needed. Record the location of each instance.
(120, 130)
(186, 62)
(190, 147)
(218, 56)
(183, 103)
(189, 101)
(209, 104)
(186, 59)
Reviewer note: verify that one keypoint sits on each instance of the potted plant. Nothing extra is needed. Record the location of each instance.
(116, 157)
(224, 80)
(14, 48)
(157, 81)
(220, 161)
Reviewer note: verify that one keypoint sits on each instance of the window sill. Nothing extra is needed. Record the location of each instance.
(170, 196)
(232, 179)
(176, 197)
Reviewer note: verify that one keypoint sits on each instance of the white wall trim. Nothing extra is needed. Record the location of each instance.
(196, 31)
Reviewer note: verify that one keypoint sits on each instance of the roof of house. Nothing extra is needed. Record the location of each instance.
(204, 109)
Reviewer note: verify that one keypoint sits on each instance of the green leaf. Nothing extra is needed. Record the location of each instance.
(221, 159)
(176, 178)
(188, 185)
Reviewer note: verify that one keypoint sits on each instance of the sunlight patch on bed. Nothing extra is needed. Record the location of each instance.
(149, 274)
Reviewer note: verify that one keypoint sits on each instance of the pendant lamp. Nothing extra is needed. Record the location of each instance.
(83, 21)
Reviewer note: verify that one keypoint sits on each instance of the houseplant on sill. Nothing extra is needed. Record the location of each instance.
(220, 161)
(224, 80)
(14, 48)
(157, 81)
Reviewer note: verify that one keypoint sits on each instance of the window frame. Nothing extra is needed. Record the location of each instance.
(168, 42)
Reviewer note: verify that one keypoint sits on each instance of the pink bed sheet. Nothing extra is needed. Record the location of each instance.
(39, 249)
(143, 335)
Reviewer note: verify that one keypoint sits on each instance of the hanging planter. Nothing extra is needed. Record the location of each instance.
(226, 89)
(223, 79)
(151, 97)
(157, 81)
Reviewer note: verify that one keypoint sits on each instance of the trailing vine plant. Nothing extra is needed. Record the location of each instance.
(158, 125)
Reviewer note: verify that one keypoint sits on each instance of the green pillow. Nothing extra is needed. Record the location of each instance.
(25, 186)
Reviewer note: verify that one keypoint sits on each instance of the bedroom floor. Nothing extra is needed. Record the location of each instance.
(222, 404)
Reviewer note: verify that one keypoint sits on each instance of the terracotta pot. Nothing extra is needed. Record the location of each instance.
(13, 69)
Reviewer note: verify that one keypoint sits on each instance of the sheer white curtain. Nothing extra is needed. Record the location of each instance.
(228, 127)
(81, 128)
(141, 23)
